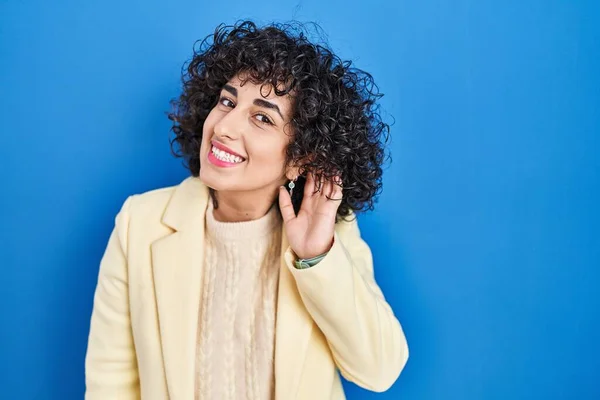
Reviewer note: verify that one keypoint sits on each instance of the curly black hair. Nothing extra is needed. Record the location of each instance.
(335, 122)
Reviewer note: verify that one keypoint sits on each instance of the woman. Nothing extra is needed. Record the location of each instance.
(231, 285)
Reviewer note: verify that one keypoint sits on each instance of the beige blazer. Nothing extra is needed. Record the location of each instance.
(331, 317)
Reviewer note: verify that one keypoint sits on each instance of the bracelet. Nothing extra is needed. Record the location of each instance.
(304, 263)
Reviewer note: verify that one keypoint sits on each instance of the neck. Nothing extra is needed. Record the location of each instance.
(239, 207)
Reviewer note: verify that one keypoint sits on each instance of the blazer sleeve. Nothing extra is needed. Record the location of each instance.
(340, 293)
(110, 363)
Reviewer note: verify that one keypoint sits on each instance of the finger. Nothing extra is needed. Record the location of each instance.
(310, 188)
(338, 181)
(322, 183)
(285, 205)
(328, 201)
(308, 183)
(332, 189)
(328, 189)
(337, 188)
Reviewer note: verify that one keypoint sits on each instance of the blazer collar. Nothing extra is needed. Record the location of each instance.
(187, 206)
(177, 266)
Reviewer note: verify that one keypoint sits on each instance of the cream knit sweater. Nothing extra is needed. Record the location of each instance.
(236, 332)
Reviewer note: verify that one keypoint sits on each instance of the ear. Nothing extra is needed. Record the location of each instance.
(293, 171)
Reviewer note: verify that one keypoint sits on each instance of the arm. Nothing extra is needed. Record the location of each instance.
(110, 364)
(340, 293)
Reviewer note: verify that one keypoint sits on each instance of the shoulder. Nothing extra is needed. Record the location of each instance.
(140, 219)
(145, 210)
(151, 201)
(348, 224)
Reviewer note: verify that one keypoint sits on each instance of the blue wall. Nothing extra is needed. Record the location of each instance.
(485, 237)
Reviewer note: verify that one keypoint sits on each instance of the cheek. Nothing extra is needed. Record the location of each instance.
(209, 123)
(208, 128)
(268, 155)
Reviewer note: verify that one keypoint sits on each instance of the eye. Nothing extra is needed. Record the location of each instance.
(266, 119)
(226, 99)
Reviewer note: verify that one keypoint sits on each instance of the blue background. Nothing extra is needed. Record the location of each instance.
(485, 237)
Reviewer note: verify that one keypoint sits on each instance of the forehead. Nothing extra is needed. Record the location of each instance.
(264, 90)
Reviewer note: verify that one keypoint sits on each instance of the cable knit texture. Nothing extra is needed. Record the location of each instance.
(236, 332)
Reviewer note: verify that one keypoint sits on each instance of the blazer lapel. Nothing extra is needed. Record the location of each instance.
(177, 267)
(177, 261)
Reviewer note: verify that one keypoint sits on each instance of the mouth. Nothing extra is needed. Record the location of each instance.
(226, 150)
(222, 158)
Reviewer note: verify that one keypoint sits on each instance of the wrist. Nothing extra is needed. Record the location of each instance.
(315, 254)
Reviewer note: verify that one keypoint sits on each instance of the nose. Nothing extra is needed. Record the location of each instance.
(231, 124)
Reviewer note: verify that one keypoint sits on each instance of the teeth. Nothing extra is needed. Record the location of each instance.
(224, 156)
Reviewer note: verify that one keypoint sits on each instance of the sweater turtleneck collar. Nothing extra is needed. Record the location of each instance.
(243, 230)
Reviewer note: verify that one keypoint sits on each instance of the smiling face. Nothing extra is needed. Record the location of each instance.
(251, 126)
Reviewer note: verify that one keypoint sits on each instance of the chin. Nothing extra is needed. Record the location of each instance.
(211, 180)
(205, 178)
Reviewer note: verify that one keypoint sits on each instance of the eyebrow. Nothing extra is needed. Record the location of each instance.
(258, 102)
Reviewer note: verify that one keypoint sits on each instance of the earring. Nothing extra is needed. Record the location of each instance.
(292, 185)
